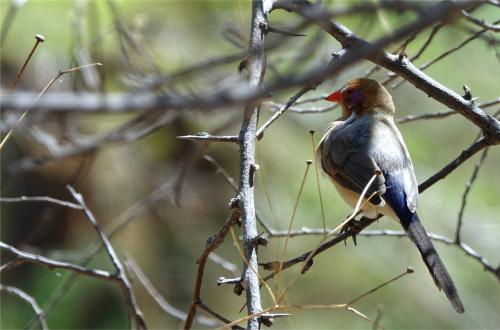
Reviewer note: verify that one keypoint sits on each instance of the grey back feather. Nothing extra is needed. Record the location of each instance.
(353, 150)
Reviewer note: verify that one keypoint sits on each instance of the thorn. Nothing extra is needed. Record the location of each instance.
(262, 240)
(234, 203)
(242, 66)
(467, 93)
(238, 289)
(222, 280)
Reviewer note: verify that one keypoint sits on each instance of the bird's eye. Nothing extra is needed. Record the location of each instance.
(349, 92)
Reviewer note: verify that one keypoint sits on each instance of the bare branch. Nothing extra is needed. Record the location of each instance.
(46, 199)
(203, 136)
(438, 238)
(282, 109)
(480, 22)
(120, 270)
(30, 300)
(466, 154)
(447, 53)
(256, 64)
(212, 243)
(433, 115)
(53, 264)
(443, 114)
(403, 66)
(468, 186)
(159, 299)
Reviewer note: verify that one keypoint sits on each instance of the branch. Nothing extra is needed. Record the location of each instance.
(438, 238)
(120, 270)
(203, 136)
(158, 298)
(480, 22)
(401, 65)
(466, 154)
(53, 264)
(212, 243)
(256, 64)
(468, 186)
(30, 300)
(46, 199)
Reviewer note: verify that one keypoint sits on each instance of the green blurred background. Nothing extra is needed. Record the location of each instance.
(166, 237)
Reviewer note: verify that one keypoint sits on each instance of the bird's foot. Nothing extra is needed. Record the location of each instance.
(352, 228)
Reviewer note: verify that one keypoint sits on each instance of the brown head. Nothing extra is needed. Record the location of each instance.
(363, 96)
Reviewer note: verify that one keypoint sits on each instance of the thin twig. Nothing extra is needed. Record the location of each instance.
(30, 300)
(480, 22)
(447, 53)
(50, 83)
(207, 309)
(408, 270)
(135, 312)
(284, 107)
(290, 224)
(38, 39)
(464, 155)
(468, 186)
(46, 199)
(443, 114)
(439, 238)
(159, 299)
(54, 264)
(203, 136)
(212, 243)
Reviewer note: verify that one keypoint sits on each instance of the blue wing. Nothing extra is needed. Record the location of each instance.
(396, 198)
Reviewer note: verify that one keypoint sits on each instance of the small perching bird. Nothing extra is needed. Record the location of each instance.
(365, 142)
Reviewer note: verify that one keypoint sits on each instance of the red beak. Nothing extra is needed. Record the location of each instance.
(335, 97)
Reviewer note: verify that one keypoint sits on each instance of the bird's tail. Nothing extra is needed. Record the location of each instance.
(433, 262)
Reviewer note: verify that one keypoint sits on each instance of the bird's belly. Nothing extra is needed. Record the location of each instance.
(369, 210)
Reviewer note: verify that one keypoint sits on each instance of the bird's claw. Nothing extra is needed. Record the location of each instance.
(353, 227)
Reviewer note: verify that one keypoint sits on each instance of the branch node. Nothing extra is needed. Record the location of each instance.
(253, 168)
(238, 288)
(266, 320)
(264, 27)
(262, 240)
(234, 203)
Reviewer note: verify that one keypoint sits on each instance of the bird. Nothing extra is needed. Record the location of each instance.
(365, 142)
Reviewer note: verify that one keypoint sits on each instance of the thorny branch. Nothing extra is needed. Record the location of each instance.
(256, 66)
(354, 49)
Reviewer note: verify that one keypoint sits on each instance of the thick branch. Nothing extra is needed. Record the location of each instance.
(256, 63)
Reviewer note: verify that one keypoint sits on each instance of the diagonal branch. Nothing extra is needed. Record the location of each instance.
(120, 269)
(30, 300)
(402, 65)
(212, 243)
